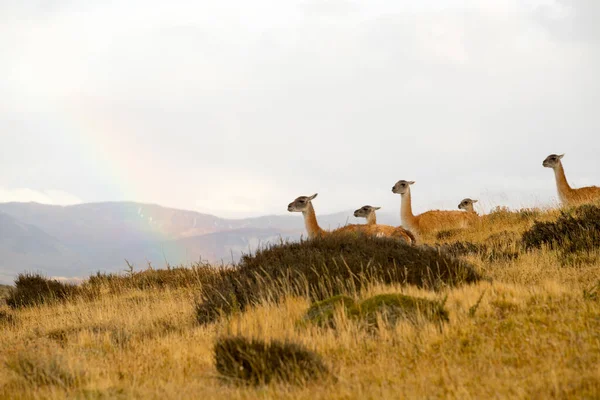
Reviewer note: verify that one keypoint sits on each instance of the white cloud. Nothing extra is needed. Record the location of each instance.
(53, 197)
(238, 107)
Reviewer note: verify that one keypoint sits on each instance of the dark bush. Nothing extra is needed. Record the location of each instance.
(457, 249)
(34, 289)
(573, 231)
(256, 362)
(220, 297)
(326, 267)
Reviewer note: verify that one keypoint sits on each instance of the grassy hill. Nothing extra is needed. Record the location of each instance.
(528, 329)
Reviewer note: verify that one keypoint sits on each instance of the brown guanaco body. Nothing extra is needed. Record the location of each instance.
(399, 232)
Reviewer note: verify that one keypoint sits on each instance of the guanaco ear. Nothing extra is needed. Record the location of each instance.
(376, 208)
(411, 182)
(475, 201)
(561, 156)
(313, 196)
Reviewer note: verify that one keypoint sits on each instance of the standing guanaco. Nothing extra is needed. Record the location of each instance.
(567, 194)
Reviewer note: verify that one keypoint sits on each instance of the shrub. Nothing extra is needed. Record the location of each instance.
(395, 307)
(457, 249)
(256, 362)
(389, 308)
(322, 313)
(220, 297)
(321, 268)
(35, 289)
(573, 231)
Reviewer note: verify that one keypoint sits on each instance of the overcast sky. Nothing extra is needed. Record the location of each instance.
(236, 107)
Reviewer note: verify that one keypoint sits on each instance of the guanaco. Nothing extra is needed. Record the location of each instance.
(368, 212)
(567, 194)
(468, 205)
(429, 221)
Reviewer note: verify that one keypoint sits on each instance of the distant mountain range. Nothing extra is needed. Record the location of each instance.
(76, 241)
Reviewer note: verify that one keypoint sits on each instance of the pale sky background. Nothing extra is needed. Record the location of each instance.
(236, 107)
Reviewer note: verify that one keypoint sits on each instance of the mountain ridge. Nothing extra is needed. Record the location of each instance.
(90, 237)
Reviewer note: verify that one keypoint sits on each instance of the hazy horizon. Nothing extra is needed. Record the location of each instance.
(234, 109)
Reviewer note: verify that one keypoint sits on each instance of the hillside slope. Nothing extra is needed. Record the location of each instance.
(26, 247)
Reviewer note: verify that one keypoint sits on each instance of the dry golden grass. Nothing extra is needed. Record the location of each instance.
(530, 332)
(4, 291)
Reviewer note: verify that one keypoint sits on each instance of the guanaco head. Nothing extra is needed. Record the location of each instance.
(402, 186)
(552, 160)
(467, 205)
(301, 203)
(365, 211)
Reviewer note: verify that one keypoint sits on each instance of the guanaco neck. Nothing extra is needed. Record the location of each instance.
(372, 219)
(564, 190)
(406, 214)
(310, 222)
